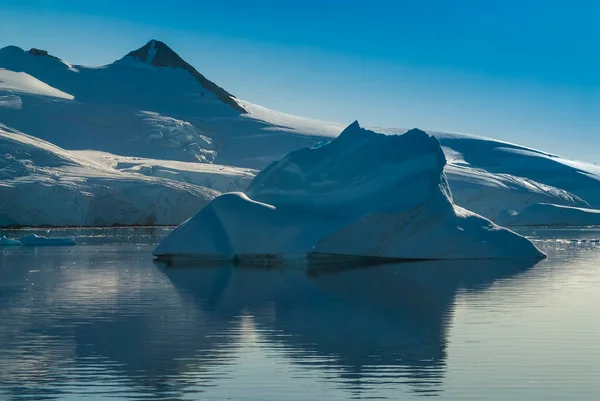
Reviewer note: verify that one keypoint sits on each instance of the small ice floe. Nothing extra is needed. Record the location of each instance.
(8, 242)
(37, 240)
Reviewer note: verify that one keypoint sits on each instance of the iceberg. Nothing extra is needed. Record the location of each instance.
(363, 195)
(38, 240)
(8, 241)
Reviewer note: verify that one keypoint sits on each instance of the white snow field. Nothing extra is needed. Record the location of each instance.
(165, 119)
(42, 184)
(214, 176)
(23, 83)
(362, 195)
(546, 214)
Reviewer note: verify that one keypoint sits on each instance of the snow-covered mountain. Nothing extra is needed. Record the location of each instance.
(153, 114)
(42, 184)
(148, 104)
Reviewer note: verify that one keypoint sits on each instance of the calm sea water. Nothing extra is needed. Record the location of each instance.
(104, 321)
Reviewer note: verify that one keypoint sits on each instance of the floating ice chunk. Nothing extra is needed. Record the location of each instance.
(8, 241)
(38, 240)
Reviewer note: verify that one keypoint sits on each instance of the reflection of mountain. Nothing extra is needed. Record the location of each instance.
(108, 314)
(385, 324)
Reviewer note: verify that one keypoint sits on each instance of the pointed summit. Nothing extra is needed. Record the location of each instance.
(158, 54)
(354, 131)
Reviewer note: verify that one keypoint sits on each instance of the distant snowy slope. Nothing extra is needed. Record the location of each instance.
(546, 214)
(291, 123)
(497, 157)
(213, 176)
(42, 184)
(491, 194)
(20, 82)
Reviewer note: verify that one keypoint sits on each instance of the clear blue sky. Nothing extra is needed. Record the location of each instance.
(526, 71)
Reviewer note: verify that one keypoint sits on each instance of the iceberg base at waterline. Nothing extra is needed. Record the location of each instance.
(363, 195)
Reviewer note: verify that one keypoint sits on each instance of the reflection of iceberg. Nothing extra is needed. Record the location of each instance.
(362, 195)
(169, 332)
(359, 326)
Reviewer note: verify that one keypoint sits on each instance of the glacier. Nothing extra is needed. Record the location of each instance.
(42, 184)
(363, 195)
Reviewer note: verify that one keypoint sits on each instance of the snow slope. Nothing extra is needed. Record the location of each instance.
(546, 214)
(213, 176)
(492, 194)
(21, 82)
(42, 184)
(505, 159)
(362, 195)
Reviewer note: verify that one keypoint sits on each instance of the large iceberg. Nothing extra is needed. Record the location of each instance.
(363, 195)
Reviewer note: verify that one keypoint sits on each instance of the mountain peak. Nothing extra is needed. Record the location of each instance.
(158, 54)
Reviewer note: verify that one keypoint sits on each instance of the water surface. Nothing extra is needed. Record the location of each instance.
(104, 321)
